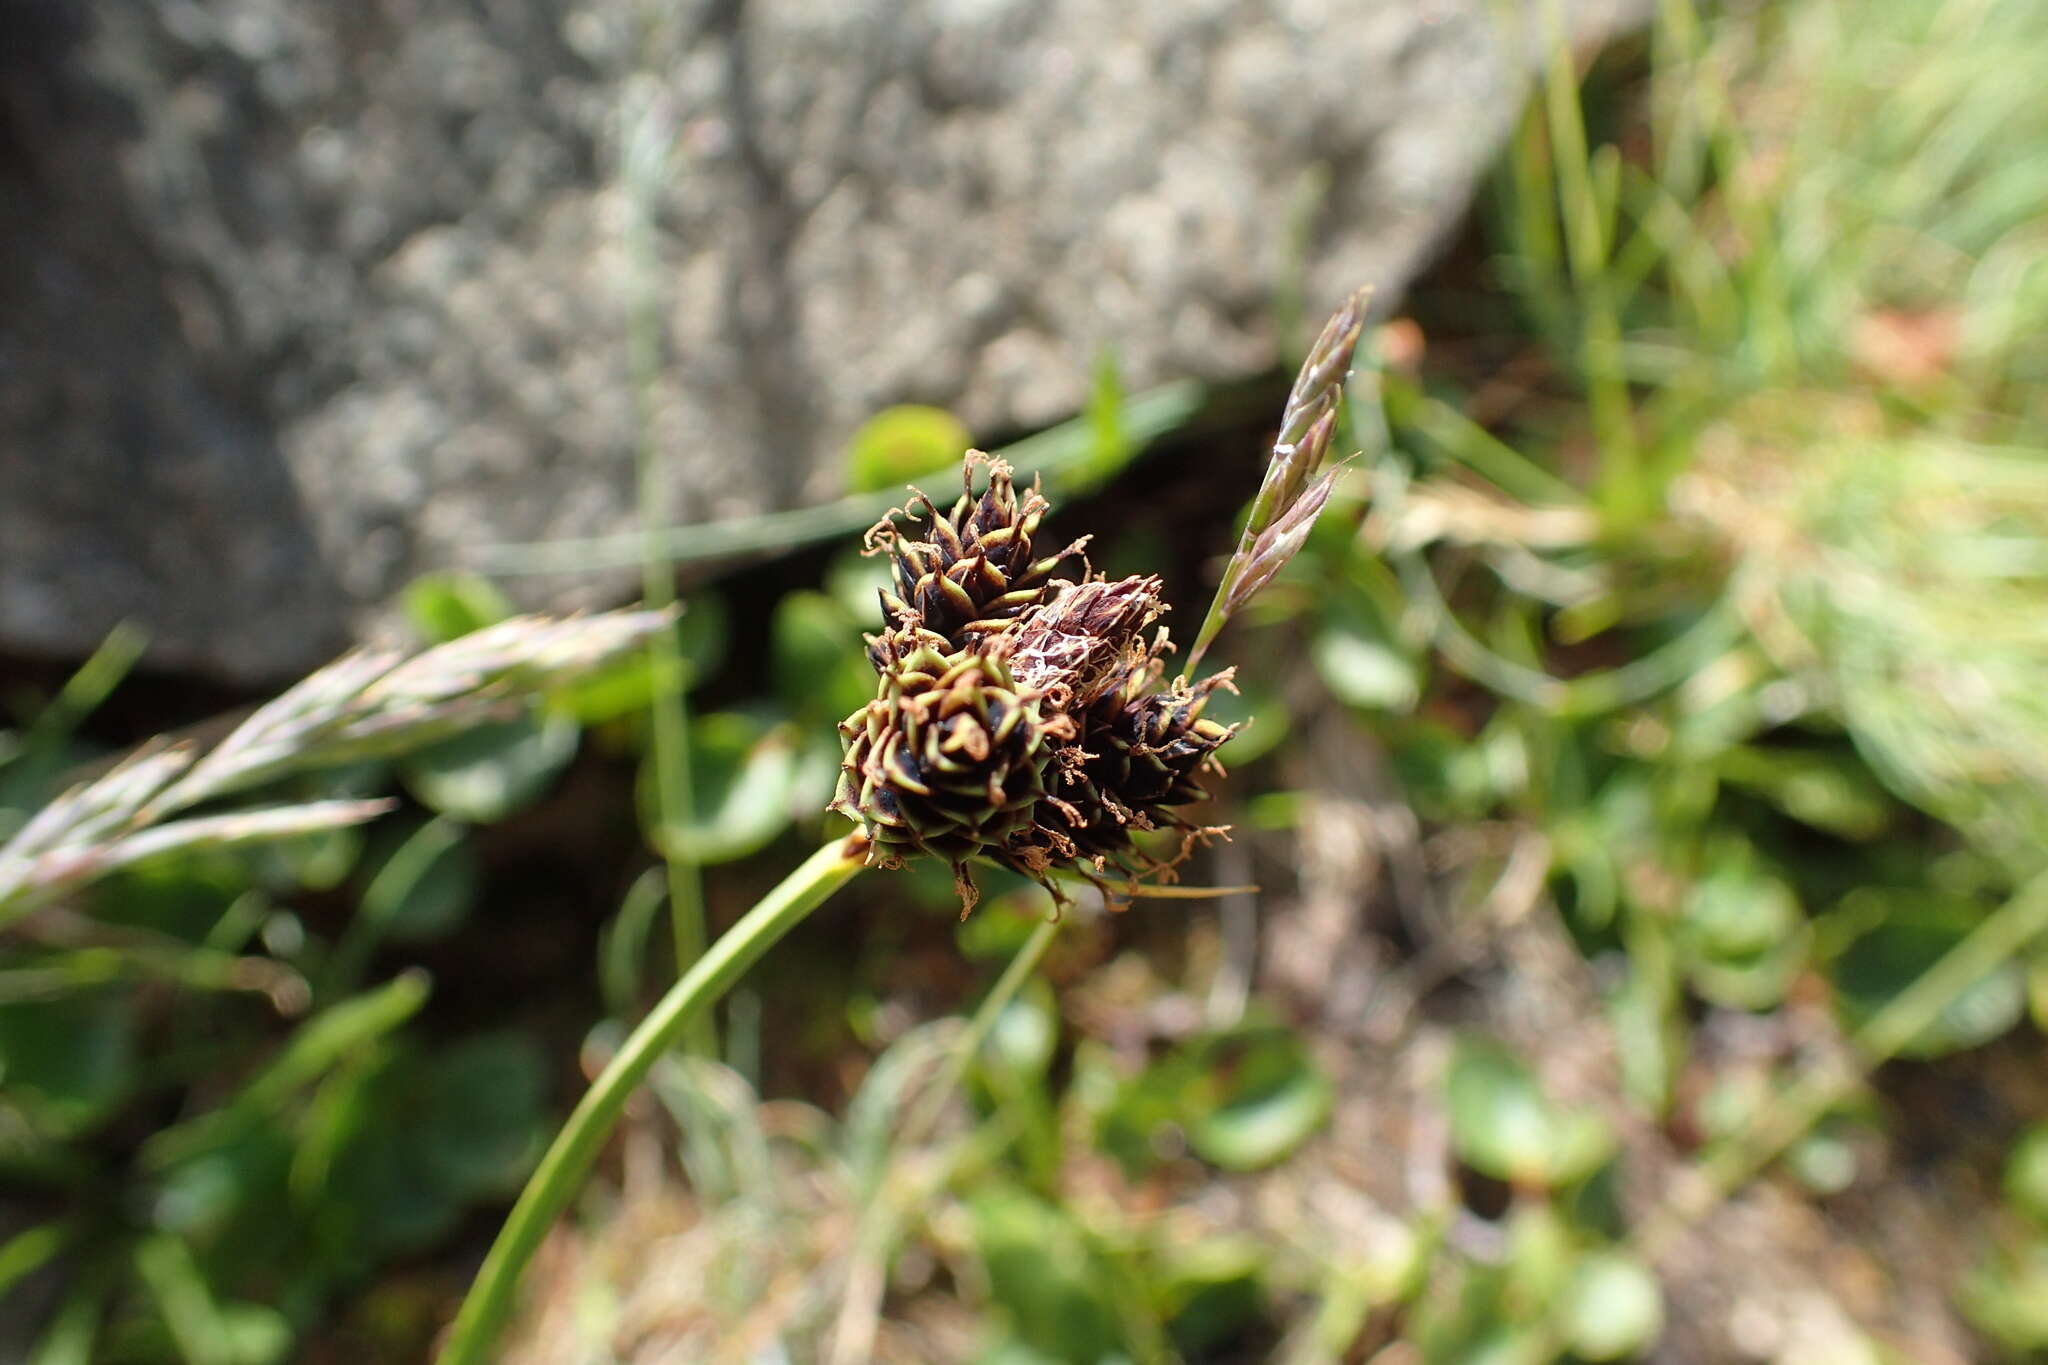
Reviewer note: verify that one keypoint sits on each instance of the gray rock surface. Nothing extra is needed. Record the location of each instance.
(299, 299)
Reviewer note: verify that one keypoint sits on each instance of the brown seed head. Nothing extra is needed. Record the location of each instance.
(972, 571)
(1085, 640)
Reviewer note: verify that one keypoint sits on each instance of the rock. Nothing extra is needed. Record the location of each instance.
(300, 300)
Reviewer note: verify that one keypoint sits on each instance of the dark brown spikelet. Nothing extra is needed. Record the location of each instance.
(1156, 746)
(969, 572)
(1142, 751)
(949, 760)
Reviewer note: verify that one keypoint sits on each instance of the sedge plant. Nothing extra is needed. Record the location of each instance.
(1021, 718)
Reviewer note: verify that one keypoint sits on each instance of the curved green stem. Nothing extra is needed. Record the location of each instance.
(560, 1173)
(933, 1102)
(1717, 630)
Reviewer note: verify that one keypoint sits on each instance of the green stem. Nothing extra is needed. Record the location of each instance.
(644, 158)
(853, 1335)
(1058, 452)
(926, 1116)
(1586, 253)
(560, 1173)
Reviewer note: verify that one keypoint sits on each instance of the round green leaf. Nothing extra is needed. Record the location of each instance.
(479, 1121)
(1263, 1096)
(900, 443)
(1503, 1126)
(741, 776)
(1025, 1033)
(821, 668)
(1744, 935)
(446, 606)
(1823, 1161)
(426, 886)
(1613, 1308)
(1042, 1271)
(1365, 672)
(853, 579)
(487, 773)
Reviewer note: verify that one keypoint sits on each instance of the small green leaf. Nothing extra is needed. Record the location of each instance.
(901, 443)
(1209, 1291)
(1243, 1099)
(446, 606)
(1613, 1308)
(69, 1060)
(28, 1251)
(1026, 1032)
(1503, 1126)
(1823, 1161)
(1744, 936)
(2007, 1298)
(382, 1199)
(1263, 1097)
(426, 886)
(853, 579)
(819, 665)
(1364, 672)
(478, 1122)
(200, 1198)
(183, 1300)
(73, 1331)
(485, 774)
(1043, 1272)
(741, 776)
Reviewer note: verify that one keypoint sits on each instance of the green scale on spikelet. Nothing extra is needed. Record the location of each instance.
(948, 760)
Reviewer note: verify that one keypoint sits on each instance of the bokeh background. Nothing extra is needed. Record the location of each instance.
(1645, 781)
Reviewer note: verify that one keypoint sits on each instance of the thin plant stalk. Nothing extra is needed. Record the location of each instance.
(645, 158)
(562, 1170)
(1586, 249)
(853, 1333)
(1062, 454)
(926, 1116)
